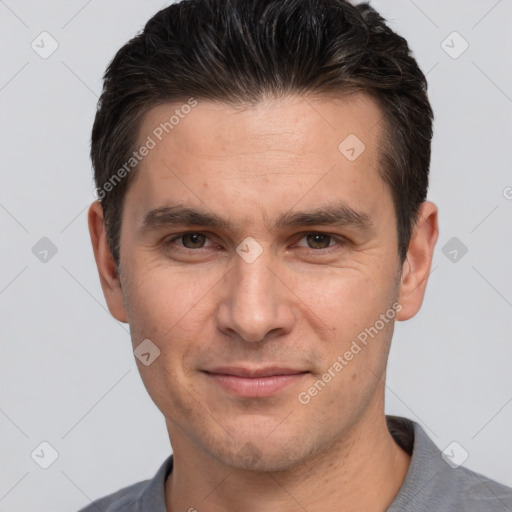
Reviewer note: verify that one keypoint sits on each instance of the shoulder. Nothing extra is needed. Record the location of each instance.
(123, 500)
(138, 497)
(473, 491)
(436, 480)
(463, 490)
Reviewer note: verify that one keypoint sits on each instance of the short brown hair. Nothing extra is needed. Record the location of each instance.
(237, 51)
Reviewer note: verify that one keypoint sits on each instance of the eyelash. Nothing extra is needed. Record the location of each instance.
(337, 238)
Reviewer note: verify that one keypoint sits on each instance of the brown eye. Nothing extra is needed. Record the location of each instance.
(318, 241)
(193, 240)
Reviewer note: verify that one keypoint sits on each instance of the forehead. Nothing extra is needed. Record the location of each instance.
(262, 157)
(300, 123)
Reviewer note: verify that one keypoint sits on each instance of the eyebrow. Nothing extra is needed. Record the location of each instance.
(336, 215)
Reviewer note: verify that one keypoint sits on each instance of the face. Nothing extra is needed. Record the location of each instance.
(259, 257)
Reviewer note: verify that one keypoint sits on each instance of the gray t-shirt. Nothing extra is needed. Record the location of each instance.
(431, 483)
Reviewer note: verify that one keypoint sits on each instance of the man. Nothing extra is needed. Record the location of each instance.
(262, 170)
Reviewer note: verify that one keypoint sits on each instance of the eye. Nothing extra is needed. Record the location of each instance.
(314, 241)
(319, 241)
(190, 240)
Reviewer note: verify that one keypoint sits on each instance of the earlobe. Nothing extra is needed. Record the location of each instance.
(416, 267)
(105, 262)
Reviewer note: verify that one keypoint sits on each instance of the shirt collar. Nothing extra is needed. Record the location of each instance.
(425, 461)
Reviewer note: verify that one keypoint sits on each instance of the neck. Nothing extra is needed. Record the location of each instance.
(362, 471)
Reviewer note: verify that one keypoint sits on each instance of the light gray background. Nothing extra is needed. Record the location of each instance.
(67, 372)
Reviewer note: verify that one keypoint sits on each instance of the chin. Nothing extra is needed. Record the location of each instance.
(264, 456)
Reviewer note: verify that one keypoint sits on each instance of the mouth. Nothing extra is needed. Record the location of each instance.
(255, 382)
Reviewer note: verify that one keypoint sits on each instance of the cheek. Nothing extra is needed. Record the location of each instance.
(344, 299)
(163, 299)
(354, 350)
(171, 309)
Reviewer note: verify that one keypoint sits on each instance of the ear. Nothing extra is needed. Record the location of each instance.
(110, 282)
(416, 267)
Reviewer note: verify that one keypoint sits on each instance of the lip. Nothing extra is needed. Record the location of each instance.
(244, 371)
(255, 382)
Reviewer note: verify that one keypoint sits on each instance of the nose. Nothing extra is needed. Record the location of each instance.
(255, 304)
